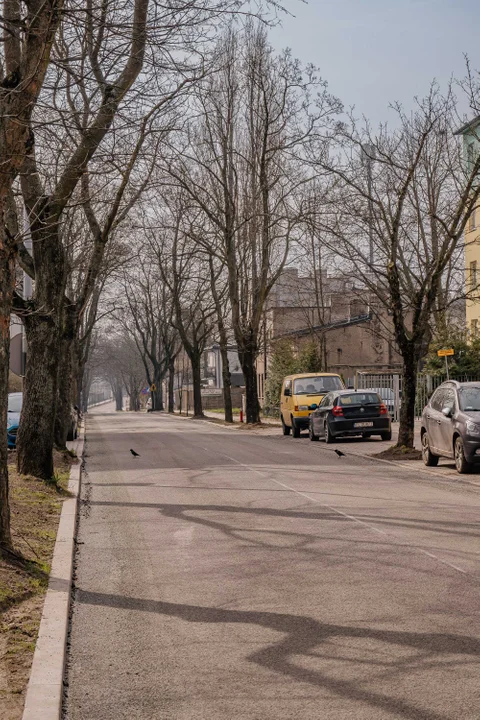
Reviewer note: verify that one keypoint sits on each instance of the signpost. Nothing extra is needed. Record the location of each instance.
(446, 353)
(153, 387)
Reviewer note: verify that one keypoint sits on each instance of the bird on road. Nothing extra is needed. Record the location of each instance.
(135, 454)
(339, 453)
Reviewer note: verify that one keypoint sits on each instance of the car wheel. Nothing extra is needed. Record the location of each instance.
(285, 428)
(328, 435)
(462, 465)
(429, 459)
(311, 434)
(386, 435)
(295, 430)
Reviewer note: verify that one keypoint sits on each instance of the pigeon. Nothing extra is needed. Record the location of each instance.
(339, 453)
(135, 454)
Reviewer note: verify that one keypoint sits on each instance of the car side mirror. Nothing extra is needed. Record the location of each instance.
(447, 411)
(287, 392)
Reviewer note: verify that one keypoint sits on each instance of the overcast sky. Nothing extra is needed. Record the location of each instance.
(373, 52)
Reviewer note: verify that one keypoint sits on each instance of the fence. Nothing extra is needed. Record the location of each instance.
(98, 397)
(389, 386)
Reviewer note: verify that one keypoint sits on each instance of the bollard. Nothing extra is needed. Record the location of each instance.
(241, 416)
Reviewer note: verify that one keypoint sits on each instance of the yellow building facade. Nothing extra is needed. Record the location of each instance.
(471, 145)
(472, 275)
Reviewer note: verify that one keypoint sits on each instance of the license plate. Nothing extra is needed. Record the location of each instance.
(363, 424)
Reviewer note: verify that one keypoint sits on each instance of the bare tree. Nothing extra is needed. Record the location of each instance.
(27, 39)
(240, 162)
(398, 220)
(149, 317)
(184, 270)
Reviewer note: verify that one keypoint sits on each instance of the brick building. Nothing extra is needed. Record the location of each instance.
(351, 327)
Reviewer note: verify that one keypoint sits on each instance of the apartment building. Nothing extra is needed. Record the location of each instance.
(471, 144)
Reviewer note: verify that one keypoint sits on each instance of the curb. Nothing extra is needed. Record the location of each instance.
(43, 699)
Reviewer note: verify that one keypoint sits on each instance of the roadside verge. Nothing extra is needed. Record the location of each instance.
(43, 700)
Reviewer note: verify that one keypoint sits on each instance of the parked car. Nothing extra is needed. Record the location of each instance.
(451, 425)
(13, 419)
(301, 394)
(350, 412)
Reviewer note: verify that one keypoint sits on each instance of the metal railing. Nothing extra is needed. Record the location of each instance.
(389, 386)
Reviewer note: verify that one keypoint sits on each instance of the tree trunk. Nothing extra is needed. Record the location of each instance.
(36, 433)
(63, 411)
(118, 393)
(227, 383)
(78, 370)
(63, 415)
(157, 395)
(197, 386)
(247, 361)
(133, 402)
(7, 284)
(171, 385)
(406, 433)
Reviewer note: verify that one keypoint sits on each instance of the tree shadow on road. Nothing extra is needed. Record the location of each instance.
(305, 636)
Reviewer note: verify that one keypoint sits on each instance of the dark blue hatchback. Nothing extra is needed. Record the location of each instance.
(350, 412)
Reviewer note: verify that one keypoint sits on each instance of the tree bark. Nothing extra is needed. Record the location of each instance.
(406, 432)
(118, 392)
(44, 329)
(227, 383)
(247, 358)
(63, 411)
(7, 284)
(195, 361)
(63, 415)
(157, 394)
(171, 385)
(36, 432)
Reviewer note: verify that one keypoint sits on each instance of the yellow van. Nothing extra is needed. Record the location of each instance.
(301, 395)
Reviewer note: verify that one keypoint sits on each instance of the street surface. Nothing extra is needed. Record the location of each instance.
(235, 575)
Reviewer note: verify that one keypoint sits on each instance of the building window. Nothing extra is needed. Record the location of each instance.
(473, 275)
(470, 155)
(472, 220)
(474, 329)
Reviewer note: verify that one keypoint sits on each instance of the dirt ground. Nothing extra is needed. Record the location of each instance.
(399, 453)
(35, 511)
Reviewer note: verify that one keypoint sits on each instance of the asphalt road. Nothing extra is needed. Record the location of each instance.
(226, 575)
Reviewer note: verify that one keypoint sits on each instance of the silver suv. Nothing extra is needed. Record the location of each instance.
(451, 425)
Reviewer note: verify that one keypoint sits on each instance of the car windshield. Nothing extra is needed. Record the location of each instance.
(14, 403)
(316, 385)
(469, 398)
(359, 398)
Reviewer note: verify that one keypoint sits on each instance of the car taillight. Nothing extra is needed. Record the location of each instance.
(383, 409)
(337, 411)
(296, 408)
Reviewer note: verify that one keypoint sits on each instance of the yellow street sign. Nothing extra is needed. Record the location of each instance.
(444, 353)
(153, 387)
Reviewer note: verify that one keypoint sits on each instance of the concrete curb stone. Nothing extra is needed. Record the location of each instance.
(43, 700)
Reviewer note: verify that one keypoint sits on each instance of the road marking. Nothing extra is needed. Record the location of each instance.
(345, 515)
